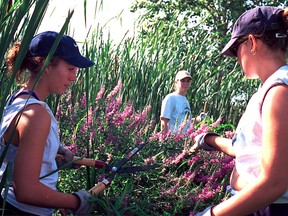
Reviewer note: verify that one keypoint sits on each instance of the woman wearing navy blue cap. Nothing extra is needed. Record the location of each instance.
(260, 146)
(30, 129)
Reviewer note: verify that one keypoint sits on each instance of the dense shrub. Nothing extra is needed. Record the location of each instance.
(185, 182)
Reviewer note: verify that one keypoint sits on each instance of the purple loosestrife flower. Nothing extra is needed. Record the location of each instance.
(112, 111)
(83, 101)
(202, 129)
(139, 117)
(229, 134)
(187, 176)
(117, 103)
(205, 193)
(172, 190)
(216, 123)
(194, 159)
(155, 136)
(192, 213)
(58, 113)
(178, 137)
(175, 159)
(147, 128)
(190, 130)
(92, 136)
(118, 120)
(111, 139)
(87, 121)
(90, 117)
(73, 148)
(168, 160)
(127, 112)
(114, 91)
(113, 107)
(83, 128)
(181, 127)
(150, 160)
(100, 93)
(217, 174)
(148, 109)
(151, 124)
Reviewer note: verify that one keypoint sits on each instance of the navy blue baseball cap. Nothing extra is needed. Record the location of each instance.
(254, 21)
(67, 49)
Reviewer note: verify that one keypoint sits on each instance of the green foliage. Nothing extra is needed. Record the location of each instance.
(199, 30)
(172, 35)
(184, 182)
(15, 19)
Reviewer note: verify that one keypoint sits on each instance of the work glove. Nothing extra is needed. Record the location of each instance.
(85, 207)
(65, 156)
(201, 144)
(206, 212)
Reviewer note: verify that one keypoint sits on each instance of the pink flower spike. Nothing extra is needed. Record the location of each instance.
(100, 93)
(115, 90)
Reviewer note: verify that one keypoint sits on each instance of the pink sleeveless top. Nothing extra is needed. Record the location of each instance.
(248, 143)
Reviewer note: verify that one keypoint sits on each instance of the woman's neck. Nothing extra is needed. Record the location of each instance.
(38, 90)
(183, 93)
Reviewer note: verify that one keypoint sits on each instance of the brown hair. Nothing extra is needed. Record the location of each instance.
(31, 64)
(277, 39)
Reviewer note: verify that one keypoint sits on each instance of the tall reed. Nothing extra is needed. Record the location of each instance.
(184, 183)
(145, 67)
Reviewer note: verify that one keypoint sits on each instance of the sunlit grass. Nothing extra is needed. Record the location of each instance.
(137, 74)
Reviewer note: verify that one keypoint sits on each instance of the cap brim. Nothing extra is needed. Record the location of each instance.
(180, 78)
(226, 50)
(78, 61)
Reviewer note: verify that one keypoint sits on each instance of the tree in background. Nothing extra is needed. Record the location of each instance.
(197, 31)
(216, 17)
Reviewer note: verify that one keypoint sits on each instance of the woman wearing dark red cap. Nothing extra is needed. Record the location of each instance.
(30, 130)
(260, 145)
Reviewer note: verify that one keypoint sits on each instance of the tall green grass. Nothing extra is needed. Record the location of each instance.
(146, 66)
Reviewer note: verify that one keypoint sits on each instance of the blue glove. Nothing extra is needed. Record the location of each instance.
(206, 212)
(201, 144)
(86, 207)
(65, 156)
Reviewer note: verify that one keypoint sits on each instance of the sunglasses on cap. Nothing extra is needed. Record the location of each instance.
(235, 48)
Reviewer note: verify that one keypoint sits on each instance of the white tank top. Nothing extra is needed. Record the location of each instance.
(248, 142)
(48, 160)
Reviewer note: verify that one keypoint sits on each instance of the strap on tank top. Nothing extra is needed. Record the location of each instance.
(24, 92)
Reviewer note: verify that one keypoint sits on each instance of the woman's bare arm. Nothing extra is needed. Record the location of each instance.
(272, 182)
(221, 143)
(33, 130)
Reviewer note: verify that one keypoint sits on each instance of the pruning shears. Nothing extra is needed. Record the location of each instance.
(117, 168)
(114, 169)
